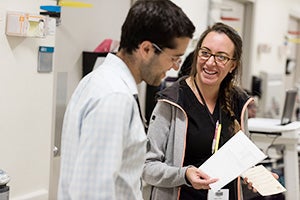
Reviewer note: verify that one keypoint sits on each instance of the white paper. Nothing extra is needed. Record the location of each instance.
(236, 156)
(263, 181)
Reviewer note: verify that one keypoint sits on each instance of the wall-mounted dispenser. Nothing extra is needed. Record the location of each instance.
(25, 24)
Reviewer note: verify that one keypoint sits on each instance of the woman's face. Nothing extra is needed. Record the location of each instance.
(214, 59)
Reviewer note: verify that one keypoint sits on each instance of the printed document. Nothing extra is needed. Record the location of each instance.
(236, 156)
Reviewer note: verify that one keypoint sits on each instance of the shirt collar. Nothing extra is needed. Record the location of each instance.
(123, 71)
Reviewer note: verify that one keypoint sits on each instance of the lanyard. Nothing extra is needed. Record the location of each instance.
(205, 105)
(216, 140)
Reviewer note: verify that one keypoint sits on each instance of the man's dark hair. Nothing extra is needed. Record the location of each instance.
(157, 21)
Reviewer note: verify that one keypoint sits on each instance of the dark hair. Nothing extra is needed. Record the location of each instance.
(185, 68)
(157, 21)
(231, 80)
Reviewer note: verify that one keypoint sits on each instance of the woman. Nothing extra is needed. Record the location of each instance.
(183, 123)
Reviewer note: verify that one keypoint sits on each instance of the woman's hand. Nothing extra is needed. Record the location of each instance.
(249, 184)
(198, 179)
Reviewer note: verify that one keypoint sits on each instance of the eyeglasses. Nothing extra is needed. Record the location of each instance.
(176, 60)
(219, 58)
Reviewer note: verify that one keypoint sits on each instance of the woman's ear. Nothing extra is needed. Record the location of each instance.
(233, 66)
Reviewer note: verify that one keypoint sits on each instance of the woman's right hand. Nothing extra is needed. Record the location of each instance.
(198, 179)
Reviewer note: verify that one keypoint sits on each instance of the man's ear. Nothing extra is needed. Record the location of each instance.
(146, 49)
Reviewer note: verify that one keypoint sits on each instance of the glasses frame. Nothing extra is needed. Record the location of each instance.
(214, 55)
(176, 60)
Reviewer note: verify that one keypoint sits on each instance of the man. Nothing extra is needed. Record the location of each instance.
(103, 139)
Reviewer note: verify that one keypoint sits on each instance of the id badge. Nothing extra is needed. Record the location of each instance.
(222, 194)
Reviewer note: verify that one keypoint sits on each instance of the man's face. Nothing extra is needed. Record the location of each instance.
(155, 69)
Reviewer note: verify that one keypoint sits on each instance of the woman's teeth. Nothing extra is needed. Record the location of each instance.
(209, 72)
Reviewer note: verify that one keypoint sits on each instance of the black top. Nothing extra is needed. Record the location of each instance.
(200, 133)
(200, 129)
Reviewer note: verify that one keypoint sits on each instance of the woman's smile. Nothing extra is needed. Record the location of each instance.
(209, 72)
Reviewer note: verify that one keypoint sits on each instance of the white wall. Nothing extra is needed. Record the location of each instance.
(270, 27)
(83, 29)
(267, 23)
(26, 101)
(197, 11)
